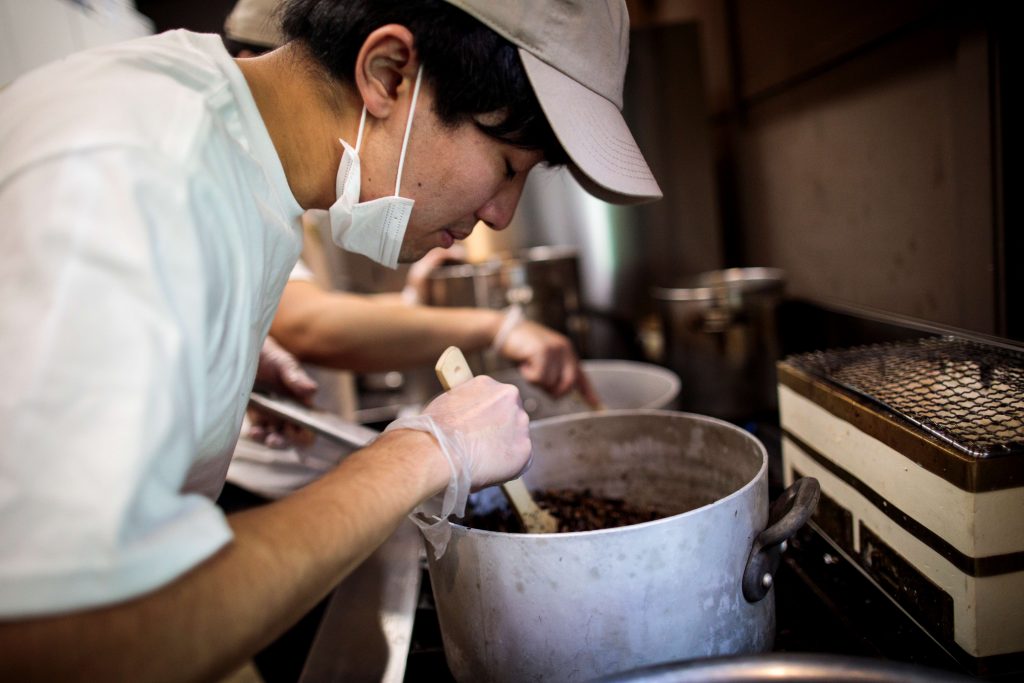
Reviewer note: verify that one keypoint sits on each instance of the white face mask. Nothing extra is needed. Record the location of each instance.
(375, 228)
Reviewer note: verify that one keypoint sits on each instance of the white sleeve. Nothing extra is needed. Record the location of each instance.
(102, 309)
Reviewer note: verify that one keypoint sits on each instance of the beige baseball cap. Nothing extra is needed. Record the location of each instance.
(575, 54)
(255, 22)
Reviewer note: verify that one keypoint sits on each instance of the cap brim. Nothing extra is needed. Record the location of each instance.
(605, 157)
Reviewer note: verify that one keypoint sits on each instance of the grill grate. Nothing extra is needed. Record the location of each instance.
(966, 393)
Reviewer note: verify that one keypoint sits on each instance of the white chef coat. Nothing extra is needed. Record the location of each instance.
(147, 232)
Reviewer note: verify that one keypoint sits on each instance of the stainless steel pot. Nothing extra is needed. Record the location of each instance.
(572, 606)
(809, 668)
(720, 336)
(543, 280)
(619, 384)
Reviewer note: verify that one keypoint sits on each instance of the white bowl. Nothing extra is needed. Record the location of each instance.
(619, 384)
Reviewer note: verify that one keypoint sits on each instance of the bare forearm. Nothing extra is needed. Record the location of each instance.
(284, 558)
(357, 333)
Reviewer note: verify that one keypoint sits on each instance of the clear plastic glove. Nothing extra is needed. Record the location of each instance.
(545, 357)
(280, 372)
(484, 434)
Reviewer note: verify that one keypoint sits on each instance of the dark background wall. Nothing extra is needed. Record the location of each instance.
(863, 147)
(196, 15)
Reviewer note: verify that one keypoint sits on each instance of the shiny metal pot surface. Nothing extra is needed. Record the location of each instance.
(572, 606)
(721, 337)
(806, 668)
(543, 280)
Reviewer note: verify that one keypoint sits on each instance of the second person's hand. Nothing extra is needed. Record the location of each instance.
(547, 359)
(280, 372)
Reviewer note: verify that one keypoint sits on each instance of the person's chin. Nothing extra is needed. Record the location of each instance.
(443, 238)
(411, 254)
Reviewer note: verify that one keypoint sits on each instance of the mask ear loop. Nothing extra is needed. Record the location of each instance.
(408, 128)
(359, 135)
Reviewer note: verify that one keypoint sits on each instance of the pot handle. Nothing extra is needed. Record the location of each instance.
(789, 512)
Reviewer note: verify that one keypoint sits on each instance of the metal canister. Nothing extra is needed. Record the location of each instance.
(721, 338)
(544, 281)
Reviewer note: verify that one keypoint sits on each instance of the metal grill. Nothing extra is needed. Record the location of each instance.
(966, 393)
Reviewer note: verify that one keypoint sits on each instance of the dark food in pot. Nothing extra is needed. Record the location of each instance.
(575, 511)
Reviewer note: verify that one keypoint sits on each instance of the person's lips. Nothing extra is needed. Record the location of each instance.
(455, 235)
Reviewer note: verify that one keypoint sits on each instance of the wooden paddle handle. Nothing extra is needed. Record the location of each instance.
(452, 370)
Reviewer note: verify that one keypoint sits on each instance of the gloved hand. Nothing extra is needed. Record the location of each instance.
(280, 372)
(483, 432)
(545, 357)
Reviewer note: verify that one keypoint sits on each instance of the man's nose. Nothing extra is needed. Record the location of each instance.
(498, 211)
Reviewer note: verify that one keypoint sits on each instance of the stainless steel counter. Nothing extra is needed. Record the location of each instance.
(367, 627)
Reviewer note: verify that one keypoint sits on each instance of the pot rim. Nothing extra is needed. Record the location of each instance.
(762, 473)
(716, 284)
(504, 261)
(548, 252)
(672, 380)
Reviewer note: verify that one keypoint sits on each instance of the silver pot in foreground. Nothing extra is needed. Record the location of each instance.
(572, 606)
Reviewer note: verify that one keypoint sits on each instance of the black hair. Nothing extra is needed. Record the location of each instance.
(236, 47)
(472, 69)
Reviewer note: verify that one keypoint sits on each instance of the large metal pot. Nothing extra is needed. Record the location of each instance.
(572, 606)
(619, 384)
(720, 336)
(806, 668)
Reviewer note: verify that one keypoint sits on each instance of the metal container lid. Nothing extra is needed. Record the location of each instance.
(547, 253)
(464, 270)
(505, 262)
(718, 284)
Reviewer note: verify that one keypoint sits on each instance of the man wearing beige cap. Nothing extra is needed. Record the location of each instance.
(151, 193)
(381, 332)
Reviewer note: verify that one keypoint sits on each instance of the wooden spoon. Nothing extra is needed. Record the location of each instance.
(452, 369)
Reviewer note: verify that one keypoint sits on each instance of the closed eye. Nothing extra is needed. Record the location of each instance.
(510, 173)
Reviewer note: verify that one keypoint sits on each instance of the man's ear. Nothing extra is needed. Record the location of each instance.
(386, 59)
